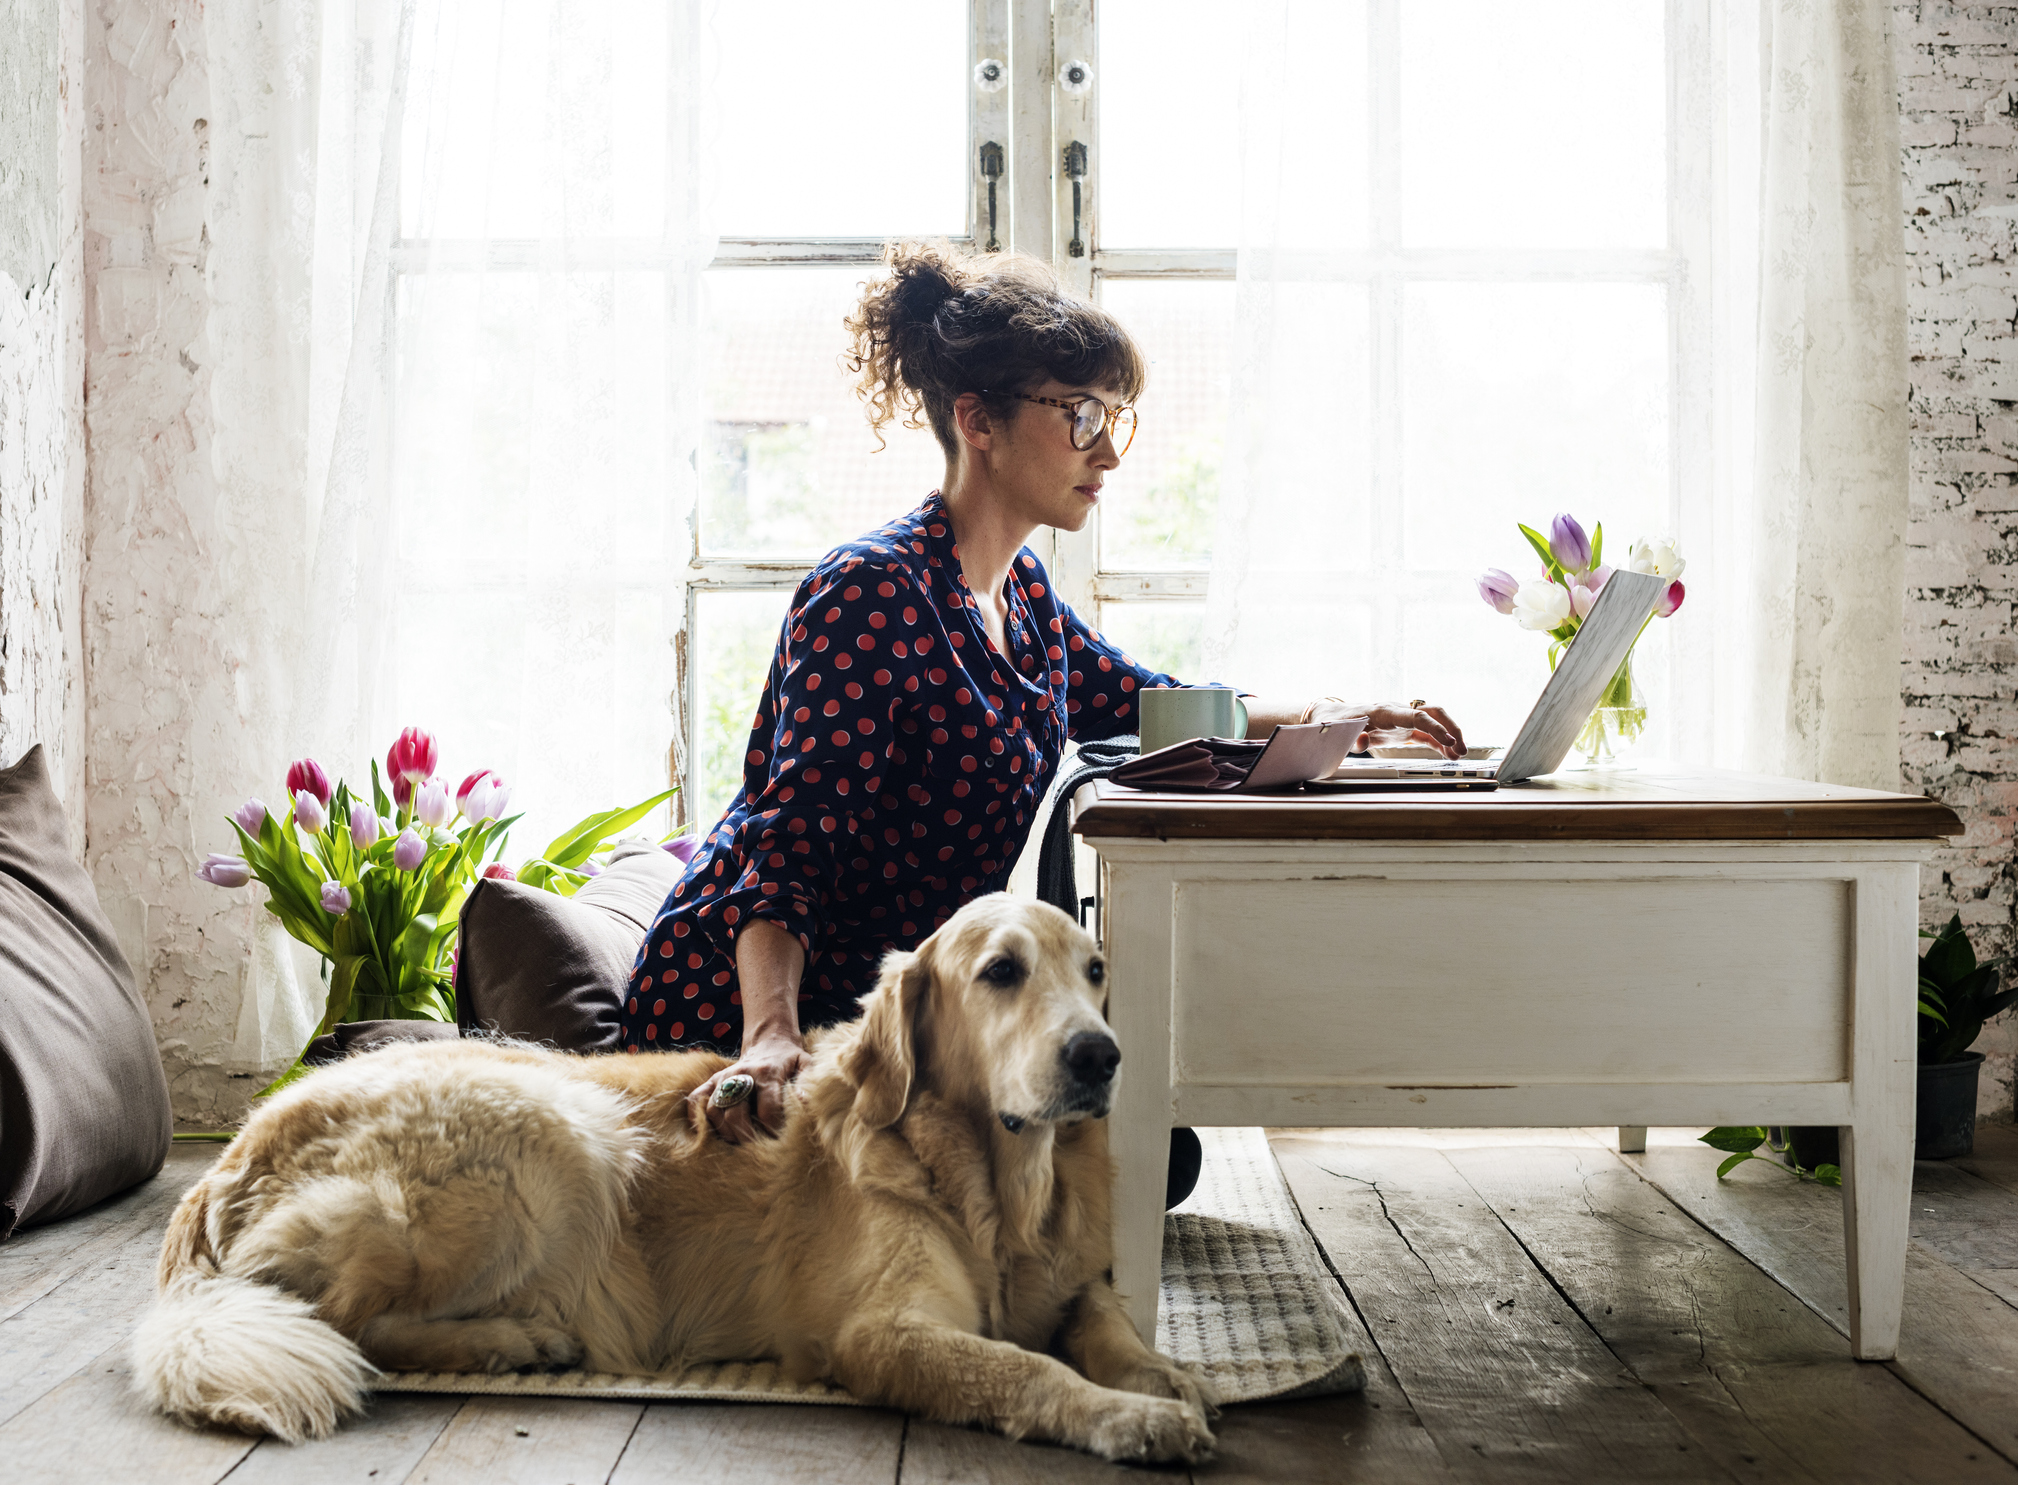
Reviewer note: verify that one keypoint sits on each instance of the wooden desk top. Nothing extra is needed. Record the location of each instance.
(1652, 801)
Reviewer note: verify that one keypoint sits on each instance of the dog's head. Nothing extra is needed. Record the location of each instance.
(1002, 1003)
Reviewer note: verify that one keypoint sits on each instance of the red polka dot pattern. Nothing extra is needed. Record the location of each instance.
(846, 831)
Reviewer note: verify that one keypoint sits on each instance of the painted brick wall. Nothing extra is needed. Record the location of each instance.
(1958, 92)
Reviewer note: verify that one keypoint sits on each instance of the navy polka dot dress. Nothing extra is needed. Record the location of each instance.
(895, 768)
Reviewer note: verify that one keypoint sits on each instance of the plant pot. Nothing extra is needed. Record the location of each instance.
(1807, 1145)
(1944, 1108)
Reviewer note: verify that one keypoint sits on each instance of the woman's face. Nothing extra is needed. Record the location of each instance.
(1033, 466)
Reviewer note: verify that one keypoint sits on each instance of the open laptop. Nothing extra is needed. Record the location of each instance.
(1566, 703)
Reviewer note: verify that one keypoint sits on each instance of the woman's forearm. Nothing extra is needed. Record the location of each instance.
(769, 963)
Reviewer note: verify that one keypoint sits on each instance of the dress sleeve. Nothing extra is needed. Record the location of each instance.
(1102, 685)
(846, 671)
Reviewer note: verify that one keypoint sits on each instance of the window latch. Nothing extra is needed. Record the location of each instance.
(1075, 170)
(991, 171)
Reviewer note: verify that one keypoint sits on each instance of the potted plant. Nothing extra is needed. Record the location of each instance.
(1957, 995)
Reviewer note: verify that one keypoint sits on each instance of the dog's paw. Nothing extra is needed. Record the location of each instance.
(522, 1346)
(554, 1350)
(1146, 1430)
(1159, 1376)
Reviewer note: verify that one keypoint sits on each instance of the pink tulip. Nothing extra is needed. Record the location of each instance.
(1670, 599)
(1581, 599)
(1568, 543)
(309, 814)
(408, 851)
(363, 825)
(497, 871)
(462, 789)
(225, 871)
(1598, 577)
(251, 816)
(430, 803)
(486, 799)
(307, 777)
(410, 761)
(335, 898)
(1498, 588)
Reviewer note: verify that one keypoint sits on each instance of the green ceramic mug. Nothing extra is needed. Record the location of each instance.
(1173, 714)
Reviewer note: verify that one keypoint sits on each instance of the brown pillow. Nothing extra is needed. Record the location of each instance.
(553, 969)
(83, 1102)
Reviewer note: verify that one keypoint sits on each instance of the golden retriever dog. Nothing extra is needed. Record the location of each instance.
(930, 1231)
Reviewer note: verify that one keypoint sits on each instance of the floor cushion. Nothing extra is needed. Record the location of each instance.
(553, 969)
(83, 1101)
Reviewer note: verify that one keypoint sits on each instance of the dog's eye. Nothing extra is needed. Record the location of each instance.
(1003, 971)
(1096, 971)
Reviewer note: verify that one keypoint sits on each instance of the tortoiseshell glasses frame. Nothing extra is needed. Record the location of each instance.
(1088, 425)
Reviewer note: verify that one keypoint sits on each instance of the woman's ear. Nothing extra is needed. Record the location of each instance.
(973, 422)
(883, 1060)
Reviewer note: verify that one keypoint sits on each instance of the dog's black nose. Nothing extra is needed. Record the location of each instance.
(1092, 1056)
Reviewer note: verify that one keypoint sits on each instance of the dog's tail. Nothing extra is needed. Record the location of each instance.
(215, 1349)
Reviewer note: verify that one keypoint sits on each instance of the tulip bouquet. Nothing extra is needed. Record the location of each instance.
(1573, 574)
(375, 885)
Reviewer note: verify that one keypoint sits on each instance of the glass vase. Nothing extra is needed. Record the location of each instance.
(1619, 718)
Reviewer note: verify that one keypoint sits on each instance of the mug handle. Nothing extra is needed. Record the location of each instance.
(1239, 717)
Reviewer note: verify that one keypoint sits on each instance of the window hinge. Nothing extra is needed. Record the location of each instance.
(1075, 169)
(991, 171)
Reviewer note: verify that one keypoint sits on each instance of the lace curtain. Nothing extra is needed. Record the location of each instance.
(1461, 304)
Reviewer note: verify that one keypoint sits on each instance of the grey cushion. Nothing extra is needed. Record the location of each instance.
(83, 1102)
(354, 1037)
(553, 969)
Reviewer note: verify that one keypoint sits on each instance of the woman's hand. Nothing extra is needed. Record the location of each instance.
(1396, 726)
(772, 1062)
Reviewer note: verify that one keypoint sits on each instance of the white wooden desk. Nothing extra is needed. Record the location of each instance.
(1654, 946)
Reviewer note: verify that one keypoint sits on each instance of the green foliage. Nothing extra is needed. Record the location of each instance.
(1957, 994)
(1744, 1141)
(1176, 517)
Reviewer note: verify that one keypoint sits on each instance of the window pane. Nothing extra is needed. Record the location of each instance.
(831, 120)
(791, 467)
(1489, 158)
(1169, 637)
(530, 493)
(1160, 504)
(1521, 400)
(1167, 91)
(734, 635)
(533, 118)
(1307, 139)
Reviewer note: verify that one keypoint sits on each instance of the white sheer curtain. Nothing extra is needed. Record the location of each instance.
(1827, 538)
(1461, 305)
(544, 428)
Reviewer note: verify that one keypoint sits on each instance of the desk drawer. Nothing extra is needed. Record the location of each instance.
(1647, 979)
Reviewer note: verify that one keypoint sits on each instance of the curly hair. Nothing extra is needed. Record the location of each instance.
(941, 323)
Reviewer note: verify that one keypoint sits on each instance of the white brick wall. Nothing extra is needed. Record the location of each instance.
(1958, 93)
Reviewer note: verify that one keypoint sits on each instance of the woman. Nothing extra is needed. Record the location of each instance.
(925, 683)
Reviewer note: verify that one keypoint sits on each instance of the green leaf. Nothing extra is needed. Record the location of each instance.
(1949, 959)
(380, 802)
(1541, 545)
(1598, 546)
(1828, 1175)
(576, 845)
(294, 1074)
(1734, 1162)
(1746, 1137)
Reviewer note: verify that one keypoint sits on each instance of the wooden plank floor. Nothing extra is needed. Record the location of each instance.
(1533, 1307)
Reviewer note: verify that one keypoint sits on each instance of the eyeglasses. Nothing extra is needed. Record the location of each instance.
(1090, 418)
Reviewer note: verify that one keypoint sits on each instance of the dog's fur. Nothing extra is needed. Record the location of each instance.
(931, 1230)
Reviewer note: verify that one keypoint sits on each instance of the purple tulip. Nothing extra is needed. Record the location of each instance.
(431, 804)
(225, 871)
(592, 868)
(309, 814)
(1495, 587)
(408, 851)
(1568, 542)
(363, 825)
(250, 817)
(335, 898)
(307, 777)
(1670, 599)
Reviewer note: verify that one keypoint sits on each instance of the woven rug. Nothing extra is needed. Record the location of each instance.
(1246, 1297)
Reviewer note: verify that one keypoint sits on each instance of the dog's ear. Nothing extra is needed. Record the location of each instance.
(881, 1062)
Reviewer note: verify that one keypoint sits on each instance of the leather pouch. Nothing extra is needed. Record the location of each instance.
(1290, 758)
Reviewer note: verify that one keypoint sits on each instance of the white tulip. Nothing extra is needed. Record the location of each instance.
(1662, 558)
(1541, 606)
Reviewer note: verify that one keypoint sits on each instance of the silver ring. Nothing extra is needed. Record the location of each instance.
(732, 1090)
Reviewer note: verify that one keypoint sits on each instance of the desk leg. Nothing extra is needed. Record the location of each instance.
(1632, 1139)
(1877, 1149)
(1138, 929)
